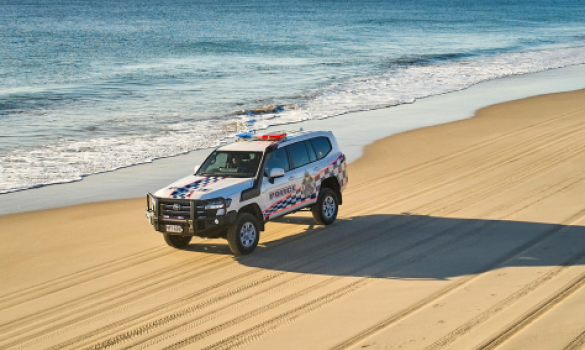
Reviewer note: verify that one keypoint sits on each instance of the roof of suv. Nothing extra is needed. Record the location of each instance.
(260, 145)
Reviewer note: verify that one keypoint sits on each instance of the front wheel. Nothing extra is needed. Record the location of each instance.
(244, 235)
(176, 241)
(325, 210)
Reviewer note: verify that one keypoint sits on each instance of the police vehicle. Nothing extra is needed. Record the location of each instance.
(239, 187)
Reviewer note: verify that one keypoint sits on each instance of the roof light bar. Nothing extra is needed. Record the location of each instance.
(272, 136)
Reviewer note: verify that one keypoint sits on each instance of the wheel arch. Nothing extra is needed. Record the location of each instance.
(254, 209)
(333, 183)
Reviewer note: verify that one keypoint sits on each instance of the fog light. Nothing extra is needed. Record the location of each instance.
(216, 222)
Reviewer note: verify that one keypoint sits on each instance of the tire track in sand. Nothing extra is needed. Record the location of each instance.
(577, 343)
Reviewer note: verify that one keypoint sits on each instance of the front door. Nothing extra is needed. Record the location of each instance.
(276, 193)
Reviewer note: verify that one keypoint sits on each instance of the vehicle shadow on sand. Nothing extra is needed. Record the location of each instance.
(410, 246)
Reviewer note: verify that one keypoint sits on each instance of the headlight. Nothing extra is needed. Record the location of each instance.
(214, 204)
(217, 204)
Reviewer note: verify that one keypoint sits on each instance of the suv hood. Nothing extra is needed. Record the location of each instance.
(204, 187)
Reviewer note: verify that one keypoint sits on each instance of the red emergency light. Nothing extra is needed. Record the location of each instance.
(272, 136)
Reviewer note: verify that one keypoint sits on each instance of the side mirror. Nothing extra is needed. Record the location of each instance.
(274, 173)
(196, 168)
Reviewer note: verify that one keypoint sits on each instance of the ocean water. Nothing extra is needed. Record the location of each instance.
(93, 86)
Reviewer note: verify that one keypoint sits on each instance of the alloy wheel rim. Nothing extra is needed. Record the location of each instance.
(247, 234)
(329, 207)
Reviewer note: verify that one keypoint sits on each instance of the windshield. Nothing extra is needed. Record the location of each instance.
(231, 164)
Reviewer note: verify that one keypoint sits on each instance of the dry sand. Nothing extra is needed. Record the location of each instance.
(465, 235)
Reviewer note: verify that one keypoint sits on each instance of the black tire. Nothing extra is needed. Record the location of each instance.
(243, 236)
(177, 241)
(326, 208)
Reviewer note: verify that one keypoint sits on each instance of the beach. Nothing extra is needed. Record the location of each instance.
(354, 131)
(468, 234)
(461, 124)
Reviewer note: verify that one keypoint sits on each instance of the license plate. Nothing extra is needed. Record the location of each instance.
(174, 228)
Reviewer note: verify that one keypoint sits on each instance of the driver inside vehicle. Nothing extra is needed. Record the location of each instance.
(235, 162)
(245, 163)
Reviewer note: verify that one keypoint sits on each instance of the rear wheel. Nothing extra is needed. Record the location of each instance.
(243, 236)
(177, 241)
(325, 210)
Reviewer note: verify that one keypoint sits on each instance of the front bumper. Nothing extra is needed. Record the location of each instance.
(190, 215)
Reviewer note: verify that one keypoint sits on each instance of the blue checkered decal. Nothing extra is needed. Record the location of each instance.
(186, 191)
(337, 168)
(289, 201)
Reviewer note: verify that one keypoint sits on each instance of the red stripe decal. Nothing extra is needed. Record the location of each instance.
(327, 167)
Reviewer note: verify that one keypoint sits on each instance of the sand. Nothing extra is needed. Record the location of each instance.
(464, 235)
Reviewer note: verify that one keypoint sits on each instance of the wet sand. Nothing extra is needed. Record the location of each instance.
(464, 235)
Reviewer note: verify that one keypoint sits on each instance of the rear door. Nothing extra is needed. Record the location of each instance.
(303, 160)
(308, 173)
(322, 148)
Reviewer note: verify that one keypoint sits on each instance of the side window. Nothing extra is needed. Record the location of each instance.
(312, 155)
(322, 146)
(277, 159)
(298, 153)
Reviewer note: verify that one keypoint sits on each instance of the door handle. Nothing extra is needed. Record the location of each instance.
(316, 168)
(292, 177)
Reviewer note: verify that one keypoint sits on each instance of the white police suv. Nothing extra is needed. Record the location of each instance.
(242, 185)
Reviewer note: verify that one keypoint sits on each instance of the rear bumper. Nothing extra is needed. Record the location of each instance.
(194, 219)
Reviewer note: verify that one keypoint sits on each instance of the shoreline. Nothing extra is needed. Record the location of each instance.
(472, 224)
(354, 131)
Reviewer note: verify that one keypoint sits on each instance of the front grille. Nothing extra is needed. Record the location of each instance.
(176, 211)
(173, 209)
(190, 214)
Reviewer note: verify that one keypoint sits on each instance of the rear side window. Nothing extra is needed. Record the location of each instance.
(298, 154)
(322, 146)
(312, 155)
(277, 159)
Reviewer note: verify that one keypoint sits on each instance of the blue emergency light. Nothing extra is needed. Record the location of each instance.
(244, 135)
